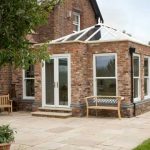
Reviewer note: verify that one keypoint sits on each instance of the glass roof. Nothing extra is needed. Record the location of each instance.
(99, 32)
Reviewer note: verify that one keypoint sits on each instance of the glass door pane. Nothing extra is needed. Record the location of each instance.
(49, 76)
(63, 81)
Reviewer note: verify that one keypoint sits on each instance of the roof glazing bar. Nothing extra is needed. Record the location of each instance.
(59, 39)
(71, 35)
(110, 32)
(67, 36)
(93, 34)
(83, 33)
(125, 35)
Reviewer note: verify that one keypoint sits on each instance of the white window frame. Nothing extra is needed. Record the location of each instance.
(77, 23)
(24, 87)
(139, 77)
(148, 79)
(94, 72)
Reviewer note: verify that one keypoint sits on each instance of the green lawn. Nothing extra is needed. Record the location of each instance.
(144, 146)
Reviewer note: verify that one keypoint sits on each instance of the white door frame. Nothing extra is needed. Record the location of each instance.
(56, 93)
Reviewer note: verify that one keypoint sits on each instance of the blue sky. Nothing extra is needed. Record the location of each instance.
(130, 15)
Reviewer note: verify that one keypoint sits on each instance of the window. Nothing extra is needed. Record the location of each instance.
(146, 77)
(28, 83)
(136, 77)
(76, 21)
(105, 74)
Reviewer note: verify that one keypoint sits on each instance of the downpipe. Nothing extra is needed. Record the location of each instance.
(132, 51)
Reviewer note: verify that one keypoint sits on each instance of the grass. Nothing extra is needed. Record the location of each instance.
(144, 146)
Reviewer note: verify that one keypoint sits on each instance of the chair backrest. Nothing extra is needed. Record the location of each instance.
(4, 99)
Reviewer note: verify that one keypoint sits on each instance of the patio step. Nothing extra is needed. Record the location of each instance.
(51, 114)
(55, 109)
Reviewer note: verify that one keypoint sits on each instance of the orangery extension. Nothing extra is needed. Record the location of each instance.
(98, 60)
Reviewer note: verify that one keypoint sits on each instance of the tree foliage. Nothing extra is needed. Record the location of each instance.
(17, 19)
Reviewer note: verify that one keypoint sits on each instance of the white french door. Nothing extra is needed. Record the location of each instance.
(56, 76)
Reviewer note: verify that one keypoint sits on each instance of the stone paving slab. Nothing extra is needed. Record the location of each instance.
(94, 133)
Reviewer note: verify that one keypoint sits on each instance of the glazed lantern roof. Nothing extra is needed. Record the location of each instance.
(98, 32)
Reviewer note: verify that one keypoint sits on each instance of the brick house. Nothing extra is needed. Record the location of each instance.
(67, 17)
(98, 60)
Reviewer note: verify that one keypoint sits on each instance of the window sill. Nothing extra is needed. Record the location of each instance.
(137, 100)
(29, 98)
(147, 97)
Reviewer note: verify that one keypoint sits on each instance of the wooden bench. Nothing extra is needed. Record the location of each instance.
(104, 102)
(5, 102)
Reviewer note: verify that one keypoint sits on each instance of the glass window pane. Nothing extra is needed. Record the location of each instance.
(145, 86)
(76, 21)
(29, 73)
(136, 66)
(76, 27)
(76, 18)
(136, 88)
(106, 87)
(145, 66)
(73, 37)
(49, 75)
(88, 34)
(30, 87)
(97, 36)
(105, 66)
(63, 81)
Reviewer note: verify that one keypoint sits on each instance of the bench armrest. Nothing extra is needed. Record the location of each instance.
(10, 101)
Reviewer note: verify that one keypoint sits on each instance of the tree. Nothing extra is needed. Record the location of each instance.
(17, 19)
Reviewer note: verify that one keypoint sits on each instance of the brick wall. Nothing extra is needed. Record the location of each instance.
(82, 74)
(5, 80)
(60, 23)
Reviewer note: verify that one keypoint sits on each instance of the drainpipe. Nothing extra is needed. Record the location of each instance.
(132, 51)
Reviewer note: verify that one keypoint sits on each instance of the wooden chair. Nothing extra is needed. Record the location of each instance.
(5, 102)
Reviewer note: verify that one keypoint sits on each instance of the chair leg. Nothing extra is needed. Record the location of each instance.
(119, 114)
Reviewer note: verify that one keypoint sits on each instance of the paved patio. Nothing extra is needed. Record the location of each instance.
(34, 133)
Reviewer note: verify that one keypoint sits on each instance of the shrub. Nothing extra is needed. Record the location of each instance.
(144, 146)
(6, 134)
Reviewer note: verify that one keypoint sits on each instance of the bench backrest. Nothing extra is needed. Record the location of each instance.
(103, 100)
(4, 100)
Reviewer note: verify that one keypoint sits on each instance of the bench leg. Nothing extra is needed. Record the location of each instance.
(96, 112)
(87, 113)
(11, 110)
(119, 114)
(8, 109)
